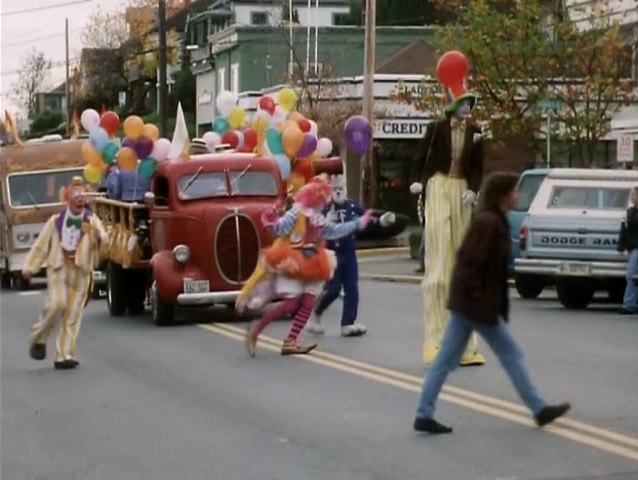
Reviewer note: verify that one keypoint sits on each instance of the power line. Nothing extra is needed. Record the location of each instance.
(44, 7)
(23, 42)
(56, 64)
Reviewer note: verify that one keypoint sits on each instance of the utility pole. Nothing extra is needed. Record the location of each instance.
(367, 187)
(162, 92)
(67, 86)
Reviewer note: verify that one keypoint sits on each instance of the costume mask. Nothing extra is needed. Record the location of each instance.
(313, 197)
(338, 189)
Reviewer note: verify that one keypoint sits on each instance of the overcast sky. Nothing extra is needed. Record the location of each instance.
(24, 31)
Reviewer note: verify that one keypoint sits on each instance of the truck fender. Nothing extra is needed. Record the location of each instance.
(169, 275)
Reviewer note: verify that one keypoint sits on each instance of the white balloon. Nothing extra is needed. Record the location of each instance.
(90, 120)
(161, 148)
(212, 139)
(225, 102)
(279, 115)
(314, 129)
(324, 147)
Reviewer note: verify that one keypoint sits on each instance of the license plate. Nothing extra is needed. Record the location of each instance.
(576, 269)
(196, 286)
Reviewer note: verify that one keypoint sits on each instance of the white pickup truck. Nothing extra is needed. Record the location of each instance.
(570, 235)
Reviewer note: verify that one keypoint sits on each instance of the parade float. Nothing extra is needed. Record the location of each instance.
(193, 235)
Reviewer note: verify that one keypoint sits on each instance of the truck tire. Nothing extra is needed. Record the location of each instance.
(528, 286)
(137, 291)
(115, 289)
(163, 312)
(22, 283)
(616, 291)
(5, 280)
(574, 295)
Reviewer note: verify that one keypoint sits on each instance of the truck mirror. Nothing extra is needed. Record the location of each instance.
(149, 199)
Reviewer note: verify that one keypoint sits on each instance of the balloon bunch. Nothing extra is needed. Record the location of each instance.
(140, 150)
(276, 130)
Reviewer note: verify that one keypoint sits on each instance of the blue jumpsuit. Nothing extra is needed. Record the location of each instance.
(346, 274)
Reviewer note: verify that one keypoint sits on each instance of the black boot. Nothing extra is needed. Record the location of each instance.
(429, 425)
(550, 413)
(38, 351)
(65, 364)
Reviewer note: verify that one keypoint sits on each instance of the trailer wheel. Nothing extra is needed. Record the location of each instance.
(163, 312)
(138, 286)
(115, 290)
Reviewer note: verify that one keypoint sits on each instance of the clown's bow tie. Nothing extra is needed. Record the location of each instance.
(74, 222)
(457, 123)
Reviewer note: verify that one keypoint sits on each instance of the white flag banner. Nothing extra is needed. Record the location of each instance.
(180, 142)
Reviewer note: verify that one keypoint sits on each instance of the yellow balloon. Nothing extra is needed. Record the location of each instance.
(295, 116)
(91, 155)
(151, 131)
(133, 127)
(287, 98)
(295, 182)
(259, 124)
(236, 117)
(292, 138)
(92, 173)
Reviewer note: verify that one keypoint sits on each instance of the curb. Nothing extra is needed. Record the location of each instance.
(373, 252)
(379, 277)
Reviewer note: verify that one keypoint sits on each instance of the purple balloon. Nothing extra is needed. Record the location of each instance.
(308, 147)
(127, 142)
(143, 146)
(358, 134)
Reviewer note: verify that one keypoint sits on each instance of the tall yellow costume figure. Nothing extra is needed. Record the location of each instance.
(449, 167)
(68, 246)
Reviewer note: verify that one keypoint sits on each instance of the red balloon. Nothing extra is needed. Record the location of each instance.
(304, 124)
(110, 122)
(267, 104)
(230, 138)
(452, 68)
(250, 139)
(304, 168)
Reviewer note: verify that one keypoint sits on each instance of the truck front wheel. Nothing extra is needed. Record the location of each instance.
(528, 286)
(573, 294)
(163, 312)
(115, 290)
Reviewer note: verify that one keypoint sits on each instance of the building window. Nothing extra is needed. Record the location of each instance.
(234, 78)
(341, 19)
(221, 80)
(258, 18)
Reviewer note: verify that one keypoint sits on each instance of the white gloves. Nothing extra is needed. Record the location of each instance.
(318, 220)
(416, 188)
(387, 219)
(332, 216)
(469, 197)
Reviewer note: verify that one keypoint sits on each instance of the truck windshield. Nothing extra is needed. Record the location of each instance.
(243, 183)
(38, 188)
(592, 198)
(528, 188)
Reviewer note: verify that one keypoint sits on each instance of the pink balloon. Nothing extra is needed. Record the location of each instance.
(161, 148)
(324, 147)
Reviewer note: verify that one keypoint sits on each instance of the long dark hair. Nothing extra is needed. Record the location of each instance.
(495, 188)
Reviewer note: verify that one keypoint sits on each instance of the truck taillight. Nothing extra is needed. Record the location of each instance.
(523, 238)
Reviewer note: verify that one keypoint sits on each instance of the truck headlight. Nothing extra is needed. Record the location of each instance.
(181, 253)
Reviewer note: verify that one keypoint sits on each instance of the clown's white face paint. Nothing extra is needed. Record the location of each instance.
(464, 109)
(338, 194)
(77, 201)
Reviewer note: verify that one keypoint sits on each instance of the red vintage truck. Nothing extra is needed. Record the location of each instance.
(197, 238)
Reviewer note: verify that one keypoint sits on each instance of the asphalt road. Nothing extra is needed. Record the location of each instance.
(187, 402)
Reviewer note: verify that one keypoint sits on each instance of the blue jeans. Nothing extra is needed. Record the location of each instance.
(346, 276)
(630, 301)
(500, 340)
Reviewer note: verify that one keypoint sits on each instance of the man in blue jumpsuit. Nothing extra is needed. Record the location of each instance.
(346, 275)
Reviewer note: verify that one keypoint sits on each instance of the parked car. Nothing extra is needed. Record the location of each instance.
(528, 185)
(570, 235)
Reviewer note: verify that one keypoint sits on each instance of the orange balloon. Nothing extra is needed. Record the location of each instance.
(90, 155)
(295, 116)
(295, 182)
(304, 168)
(133, 127)
(151, 131)
(286, 124)
(127, 159)
(292, 138)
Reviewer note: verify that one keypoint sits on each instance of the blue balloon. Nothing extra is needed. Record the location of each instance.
(283, 162)
(99, 138)
(220, 125)
(273, 138)
(147, 167)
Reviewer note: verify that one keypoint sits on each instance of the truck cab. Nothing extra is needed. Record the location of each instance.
(570, 235)
(198, 236)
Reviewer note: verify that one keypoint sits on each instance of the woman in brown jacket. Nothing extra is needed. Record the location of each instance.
(479, 302)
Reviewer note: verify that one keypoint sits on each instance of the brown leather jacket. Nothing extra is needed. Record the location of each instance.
(479, 287)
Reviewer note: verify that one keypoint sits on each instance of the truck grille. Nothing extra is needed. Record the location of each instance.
(236, 248)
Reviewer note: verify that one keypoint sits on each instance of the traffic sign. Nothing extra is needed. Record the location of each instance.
(550, 104)
(625, 149)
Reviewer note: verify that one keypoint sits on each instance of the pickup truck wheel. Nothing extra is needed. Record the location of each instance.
(617, 291)
(574, 295)
(5, 280)
(137, 291)
(528, 286)
(163, 312)
(115, 290)
(22, 283)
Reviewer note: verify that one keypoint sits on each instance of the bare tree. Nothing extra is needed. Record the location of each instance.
(32, 76)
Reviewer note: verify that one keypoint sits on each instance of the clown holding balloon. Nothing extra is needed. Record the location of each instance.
(448, 171)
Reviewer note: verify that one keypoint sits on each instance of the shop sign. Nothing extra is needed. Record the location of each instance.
(396, 129)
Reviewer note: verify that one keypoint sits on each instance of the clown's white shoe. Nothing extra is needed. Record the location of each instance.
(314, 326)
(353, 330)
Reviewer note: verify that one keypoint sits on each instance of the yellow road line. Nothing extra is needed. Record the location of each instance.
(498, 408)
(370, 252)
